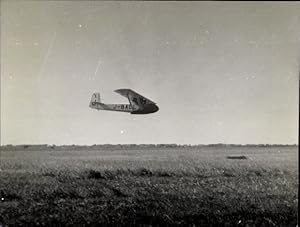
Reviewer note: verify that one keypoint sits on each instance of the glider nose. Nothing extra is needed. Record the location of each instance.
(156, 108)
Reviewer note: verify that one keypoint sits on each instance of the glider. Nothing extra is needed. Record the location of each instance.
(138, 104)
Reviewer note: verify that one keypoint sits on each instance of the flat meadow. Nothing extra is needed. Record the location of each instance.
(149, 185)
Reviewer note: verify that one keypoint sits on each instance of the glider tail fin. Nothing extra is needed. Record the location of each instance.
(95, 99)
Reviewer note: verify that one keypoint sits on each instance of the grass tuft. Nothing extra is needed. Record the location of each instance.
(94, 174)
(9, 196)
(144, 172)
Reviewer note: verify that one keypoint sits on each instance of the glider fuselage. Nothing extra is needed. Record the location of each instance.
(138, 104)
(148, 108)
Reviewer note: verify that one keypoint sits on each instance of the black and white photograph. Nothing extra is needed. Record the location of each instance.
(149, 113)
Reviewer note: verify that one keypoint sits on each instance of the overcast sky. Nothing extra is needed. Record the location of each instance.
(220, 72)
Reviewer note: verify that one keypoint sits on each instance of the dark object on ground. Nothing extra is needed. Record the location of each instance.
(237, 157)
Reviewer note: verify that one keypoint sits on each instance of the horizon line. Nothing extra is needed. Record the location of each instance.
(149, 144)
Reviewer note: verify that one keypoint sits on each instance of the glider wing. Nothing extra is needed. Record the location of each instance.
(134, 97)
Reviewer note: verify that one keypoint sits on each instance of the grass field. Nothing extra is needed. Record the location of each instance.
(203, 185)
